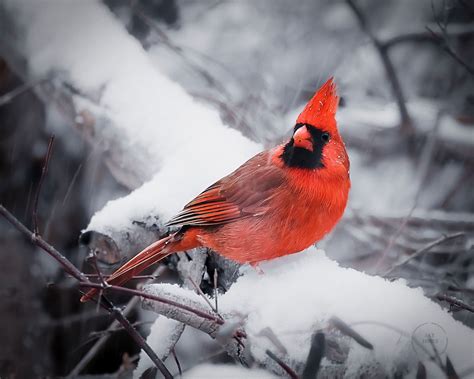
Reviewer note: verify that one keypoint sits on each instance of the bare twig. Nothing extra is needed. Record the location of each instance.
(344, 328)
(157, 298)
(444, 43)
(423, 167)
(450, 371)
(136, 277)
(6, 98)
(446, 47)
(421, 371)
(272, 337)
(175, 356)
(291, 373)
(81, 365)
(454, 301)
(316, 354)
(423, 250)
(215, 291)
(44, 171)
(199, 291)
(405, 119)
(73, 271)
(456, 31)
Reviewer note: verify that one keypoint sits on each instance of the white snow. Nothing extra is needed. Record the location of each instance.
(181, 137)
(210, 371)
(298, 294)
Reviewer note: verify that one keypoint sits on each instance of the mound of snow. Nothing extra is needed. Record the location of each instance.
(298, 295)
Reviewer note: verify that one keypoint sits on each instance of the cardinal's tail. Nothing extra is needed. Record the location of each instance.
(148, 256)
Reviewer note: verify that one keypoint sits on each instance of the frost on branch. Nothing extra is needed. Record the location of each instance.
(299, 294)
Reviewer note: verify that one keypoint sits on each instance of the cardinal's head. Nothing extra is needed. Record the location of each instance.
(316, 142)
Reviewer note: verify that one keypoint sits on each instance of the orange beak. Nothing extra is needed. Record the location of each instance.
(302, 138)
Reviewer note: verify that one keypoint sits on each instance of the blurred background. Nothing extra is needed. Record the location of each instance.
(405, 74)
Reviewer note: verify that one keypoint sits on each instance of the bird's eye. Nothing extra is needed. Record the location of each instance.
(325, 137)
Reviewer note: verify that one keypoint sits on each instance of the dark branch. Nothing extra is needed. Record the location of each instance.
(74, 272)
(283, 365)
(44, 171)
(405, 119)
(159, 299)
(454, 301)
(337, 323)
(423, 250)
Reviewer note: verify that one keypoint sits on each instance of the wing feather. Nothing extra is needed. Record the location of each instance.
(243, 193)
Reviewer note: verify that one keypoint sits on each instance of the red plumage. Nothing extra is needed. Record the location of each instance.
(279, 202)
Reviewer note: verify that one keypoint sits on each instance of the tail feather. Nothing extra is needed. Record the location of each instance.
(148, 256)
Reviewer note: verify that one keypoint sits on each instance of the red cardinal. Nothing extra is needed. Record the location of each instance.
(279, 202)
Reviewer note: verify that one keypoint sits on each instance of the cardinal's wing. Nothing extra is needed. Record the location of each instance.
(244, 193)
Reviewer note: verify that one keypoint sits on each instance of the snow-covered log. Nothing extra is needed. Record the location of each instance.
(161, 135)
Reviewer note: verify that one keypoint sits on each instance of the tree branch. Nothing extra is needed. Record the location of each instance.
(406, 124)
(74, 272)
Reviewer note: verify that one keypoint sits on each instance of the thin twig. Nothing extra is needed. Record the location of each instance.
(136, 277)
(102, 332)
(450, 370)
(454, 301)
(423, 250)
(344, 328)
(73, 271)
(446, 47)
(215, 291)
(423, 168)
(159, 299)
(292, 374)
(44, 171)
(6, 98)
(139, 340)
(134, 301)
(199, 291)
(175, 356)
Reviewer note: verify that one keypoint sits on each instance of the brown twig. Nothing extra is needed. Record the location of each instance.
(199, 291)
(6, 98)
(44, 171)
(136, 277)
(291, 373)
(68, 267)
(423, 250)
(344, 328)
(159, 299)
(453, 301)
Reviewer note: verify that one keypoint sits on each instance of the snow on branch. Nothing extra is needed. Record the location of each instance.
(300, 294)
(159, 132)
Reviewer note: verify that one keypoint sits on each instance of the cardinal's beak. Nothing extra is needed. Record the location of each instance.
(302, 138)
